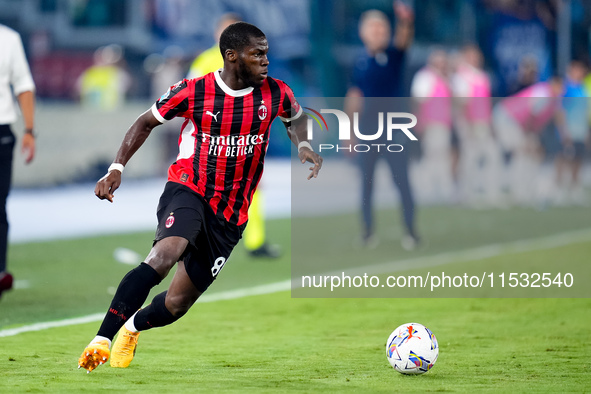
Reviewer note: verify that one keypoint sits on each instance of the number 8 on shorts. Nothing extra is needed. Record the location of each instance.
(217, 266)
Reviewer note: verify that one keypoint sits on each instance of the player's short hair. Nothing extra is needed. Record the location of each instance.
(238, 35)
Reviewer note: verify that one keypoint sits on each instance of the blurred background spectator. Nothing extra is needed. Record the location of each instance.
(574, 136)
(431, 91)
(518, 121)
(377, 74)
(481, 159)
(104, 84)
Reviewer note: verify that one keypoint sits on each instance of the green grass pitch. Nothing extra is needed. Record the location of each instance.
(275, 343)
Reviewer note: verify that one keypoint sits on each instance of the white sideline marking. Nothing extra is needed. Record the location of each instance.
(224, 295)
(246, 292)
(541, 243)
(52, 324)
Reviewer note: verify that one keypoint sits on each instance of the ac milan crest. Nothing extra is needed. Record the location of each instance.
(263, 112)
(169, 221)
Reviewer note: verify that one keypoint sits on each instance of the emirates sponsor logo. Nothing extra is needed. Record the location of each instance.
(232, 145)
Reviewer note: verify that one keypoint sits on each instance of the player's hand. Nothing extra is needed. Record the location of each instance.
(28, 147)
(307, 155)
(107, 185)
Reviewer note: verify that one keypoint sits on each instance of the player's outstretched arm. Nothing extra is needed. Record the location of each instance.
(134, 138)
(298, 132)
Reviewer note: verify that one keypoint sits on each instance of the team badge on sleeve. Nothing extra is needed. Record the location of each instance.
(165, 95)
(169, 221)
(173, 89)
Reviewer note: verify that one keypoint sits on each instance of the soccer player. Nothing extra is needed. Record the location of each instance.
(204, 207)
(255, 234)
(15, 77)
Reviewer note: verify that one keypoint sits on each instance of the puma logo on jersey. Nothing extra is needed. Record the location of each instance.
(212, 115)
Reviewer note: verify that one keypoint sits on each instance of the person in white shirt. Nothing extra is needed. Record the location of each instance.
(15, 76)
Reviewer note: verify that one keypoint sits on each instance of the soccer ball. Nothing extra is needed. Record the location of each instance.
(412, 349)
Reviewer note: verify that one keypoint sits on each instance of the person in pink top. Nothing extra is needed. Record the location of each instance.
(480, 155)
(432, 94)
(518, 120)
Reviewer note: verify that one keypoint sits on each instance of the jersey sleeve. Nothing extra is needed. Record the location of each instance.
(290, 108)
(175, 102)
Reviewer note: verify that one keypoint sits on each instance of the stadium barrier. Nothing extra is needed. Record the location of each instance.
(77, 144)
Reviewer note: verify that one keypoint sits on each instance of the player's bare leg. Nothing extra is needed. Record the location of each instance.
(130, 296)
(165, 254)
(166, 308)
(182, 293)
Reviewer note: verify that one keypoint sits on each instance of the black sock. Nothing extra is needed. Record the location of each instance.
(154, 315)
(131, 294)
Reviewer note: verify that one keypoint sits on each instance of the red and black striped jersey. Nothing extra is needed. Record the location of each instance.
(224, 137)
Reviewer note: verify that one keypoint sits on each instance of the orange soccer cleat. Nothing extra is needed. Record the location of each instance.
(95, 354)
(124, 348)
